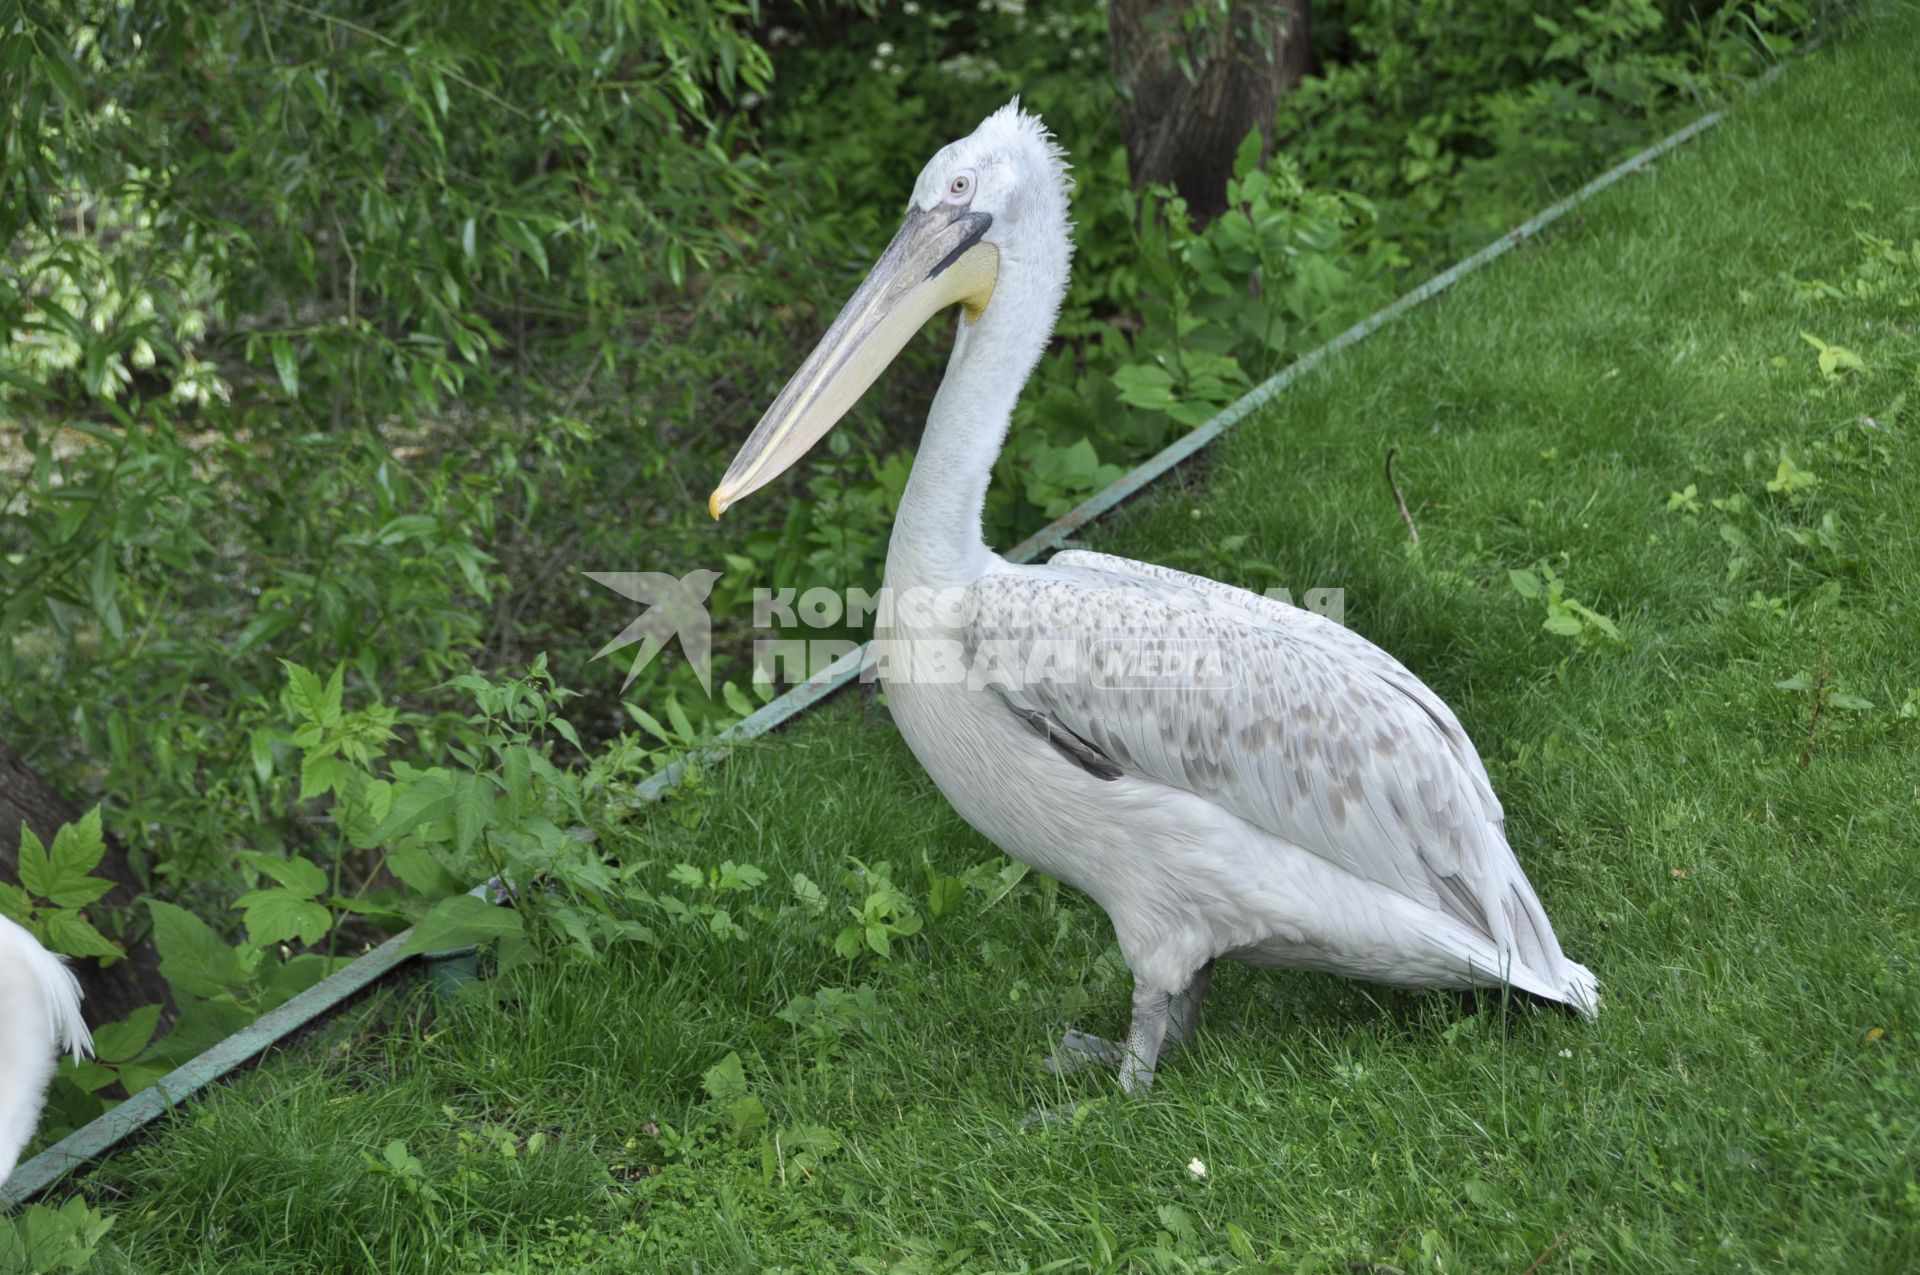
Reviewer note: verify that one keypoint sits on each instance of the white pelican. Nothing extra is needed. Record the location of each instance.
(39, 1019)
(1229, 777)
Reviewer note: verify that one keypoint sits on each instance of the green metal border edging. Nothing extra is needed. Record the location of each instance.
(98, 1137)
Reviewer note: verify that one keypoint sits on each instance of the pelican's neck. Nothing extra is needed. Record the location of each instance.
(937, 538)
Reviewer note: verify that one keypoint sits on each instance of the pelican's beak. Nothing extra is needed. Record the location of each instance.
(937, 259)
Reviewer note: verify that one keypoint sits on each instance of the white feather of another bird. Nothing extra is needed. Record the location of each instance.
(39, 1020)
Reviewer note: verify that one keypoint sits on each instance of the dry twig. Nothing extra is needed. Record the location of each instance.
(1548, 1251)
(1398, 499)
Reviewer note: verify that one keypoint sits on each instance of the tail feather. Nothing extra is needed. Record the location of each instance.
(1580, 989)
(1527, 956)
(1537, 948)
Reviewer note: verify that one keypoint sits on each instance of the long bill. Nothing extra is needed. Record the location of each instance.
(938, 259)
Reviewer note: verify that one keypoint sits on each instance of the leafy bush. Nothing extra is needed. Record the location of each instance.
(1457, 117)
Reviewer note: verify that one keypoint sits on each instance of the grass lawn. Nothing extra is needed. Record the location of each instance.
(1668, 575)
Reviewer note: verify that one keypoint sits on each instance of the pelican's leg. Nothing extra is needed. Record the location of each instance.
(1158, 1019)
(1152, 1010)
(1186, 1007)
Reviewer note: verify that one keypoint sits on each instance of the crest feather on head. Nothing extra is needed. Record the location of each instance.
(1021, 130)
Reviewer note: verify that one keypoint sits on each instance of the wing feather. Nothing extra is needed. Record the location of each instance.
(1299, 725)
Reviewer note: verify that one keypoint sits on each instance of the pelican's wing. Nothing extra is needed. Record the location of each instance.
(1320, 630)
(1288, 720)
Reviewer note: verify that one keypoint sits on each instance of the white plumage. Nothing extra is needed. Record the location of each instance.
(39, 1020)
(1228, 776)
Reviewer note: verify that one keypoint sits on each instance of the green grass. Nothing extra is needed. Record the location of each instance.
(1741, 876)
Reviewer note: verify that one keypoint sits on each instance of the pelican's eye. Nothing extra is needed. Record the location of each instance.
(960, 188)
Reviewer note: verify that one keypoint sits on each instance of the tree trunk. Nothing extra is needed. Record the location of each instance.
(112, 992)
(1183, 126)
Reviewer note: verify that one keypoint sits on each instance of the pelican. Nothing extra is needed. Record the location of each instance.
(39, 1019)
(1229, 777)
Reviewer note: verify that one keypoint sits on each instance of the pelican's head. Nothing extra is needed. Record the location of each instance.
(986, 229)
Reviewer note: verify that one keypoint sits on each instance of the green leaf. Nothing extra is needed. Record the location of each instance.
(516, 767)
(472, 809)
(1524, 582)
(260, 746)
(289, 978)
(61, 72)
(89, 1077)
(321, 774)
(302, 876)
(1146, 386)
(103, 589)
(193, 958)
(749, 1116)
(286, 365)
(59, 874)
(726, 1080)
(649, 723)
(331, 697)
(521, 236)
(810, 895)
(1833, 358)
(681, 722)
(305, 695)
(78, 892)
(463, 921)
(65, 931)
(422, 873)
(1849, 701)
(36, 873)
(426, 799)
(944, 894)
(279, 915)
(119, 1042)
(739, 876)
(1246, 157)
(1790, 480)
(402, 1161)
